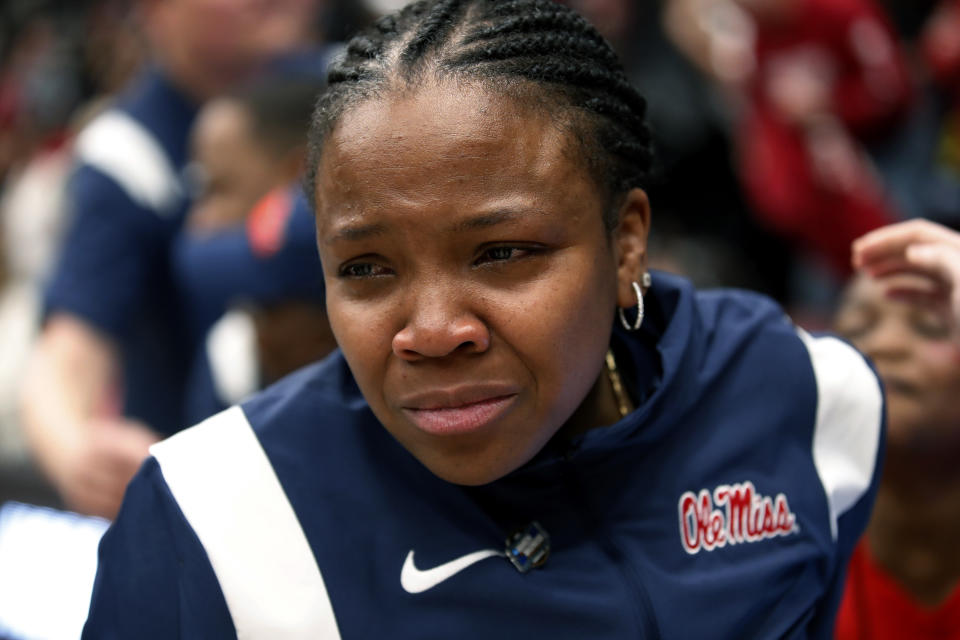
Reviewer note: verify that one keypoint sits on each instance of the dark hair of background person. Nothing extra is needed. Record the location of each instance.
(536, 51)
(280, 109)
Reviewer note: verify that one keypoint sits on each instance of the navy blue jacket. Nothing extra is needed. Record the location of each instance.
(128, 201)
(725, 506)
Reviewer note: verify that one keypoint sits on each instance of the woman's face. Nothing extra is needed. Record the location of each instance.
(470, 281)
(917, 361)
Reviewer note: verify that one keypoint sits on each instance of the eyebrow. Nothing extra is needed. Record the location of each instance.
(485, 220)
(353, 233)
(357, 232)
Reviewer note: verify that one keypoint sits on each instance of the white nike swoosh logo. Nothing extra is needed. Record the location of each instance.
(414, 580)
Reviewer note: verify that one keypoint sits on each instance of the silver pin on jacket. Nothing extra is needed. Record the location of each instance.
(528, 547)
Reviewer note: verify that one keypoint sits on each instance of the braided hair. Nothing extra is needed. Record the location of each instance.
(534, 50)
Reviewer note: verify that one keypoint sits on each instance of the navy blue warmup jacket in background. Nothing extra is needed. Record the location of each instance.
(217, 271)
(725, 506)
(129, 201)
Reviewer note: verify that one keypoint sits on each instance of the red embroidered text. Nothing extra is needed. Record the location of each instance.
(733, 514)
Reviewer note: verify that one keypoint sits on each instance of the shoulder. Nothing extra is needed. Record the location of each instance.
(322, 395)
(235, 498)
(118, 146)
(811, 390)
(736, 309)
(153, 575)
(748, 331)
(849, 427)
(140, 143)
(303, 426)
(846, 393)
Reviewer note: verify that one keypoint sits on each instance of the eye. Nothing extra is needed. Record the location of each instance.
(931, 326)
(503, 253)
(359, 270)
(854, 324)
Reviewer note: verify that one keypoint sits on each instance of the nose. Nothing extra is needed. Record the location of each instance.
(439, 325)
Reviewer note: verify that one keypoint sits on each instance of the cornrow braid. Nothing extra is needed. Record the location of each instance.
(537, 21)
(521, 45)
(433, 31)
(364, 47)
(536, 50)
(514, 7)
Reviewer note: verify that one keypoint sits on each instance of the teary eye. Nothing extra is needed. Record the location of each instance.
(498, 253)
(505, 253)
(362, 270)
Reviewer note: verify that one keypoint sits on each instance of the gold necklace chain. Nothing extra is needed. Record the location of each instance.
(623, 400)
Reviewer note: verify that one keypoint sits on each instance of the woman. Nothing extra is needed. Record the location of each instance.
(904, 574)
(485, 456)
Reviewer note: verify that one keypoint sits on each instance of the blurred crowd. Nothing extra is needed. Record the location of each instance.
(157, 260)
(784, 129)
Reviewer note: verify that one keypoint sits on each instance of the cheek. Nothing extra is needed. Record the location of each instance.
(564, 322)
(940, 363)
(363, 334)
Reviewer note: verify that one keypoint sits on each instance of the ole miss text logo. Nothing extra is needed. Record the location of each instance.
(731, 515)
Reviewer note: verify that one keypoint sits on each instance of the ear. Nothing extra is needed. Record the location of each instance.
(630, 238)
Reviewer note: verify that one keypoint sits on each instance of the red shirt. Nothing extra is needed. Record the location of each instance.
(871, 84)
(875, 607)
(870, 90)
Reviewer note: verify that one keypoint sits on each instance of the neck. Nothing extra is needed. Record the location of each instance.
(914, 530)
(598, 409)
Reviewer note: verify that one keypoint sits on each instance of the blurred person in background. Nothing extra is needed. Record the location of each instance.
(904, 312)
(920, 164)
(53, 78)
(247, 259)
(691, 136)
(939, 190)
(815, 81)
(106, 377)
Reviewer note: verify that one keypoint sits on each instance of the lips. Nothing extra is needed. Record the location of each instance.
(896, 384)
(458, 411)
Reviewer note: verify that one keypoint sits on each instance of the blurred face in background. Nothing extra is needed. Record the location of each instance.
(917, 360)
(210, 45)
(235, 168)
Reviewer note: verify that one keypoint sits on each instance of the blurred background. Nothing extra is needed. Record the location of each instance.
(784, 129)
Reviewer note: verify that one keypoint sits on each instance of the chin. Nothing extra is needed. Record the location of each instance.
(468, 474)
(910, 434)
(469, 469)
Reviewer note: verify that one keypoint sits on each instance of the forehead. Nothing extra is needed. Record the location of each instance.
(444, 141)
(861, 288)
(865, 291)
(867, 297)
(866, 294)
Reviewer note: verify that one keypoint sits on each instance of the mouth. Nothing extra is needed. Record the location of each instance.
(897, 385)
(449, 417)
